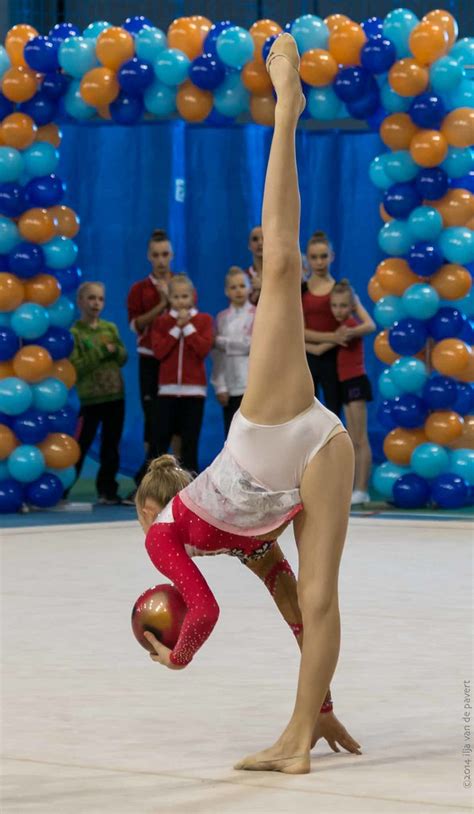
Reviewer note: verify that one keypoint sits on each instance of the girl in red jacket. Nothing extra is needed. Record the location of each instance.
(181, 340)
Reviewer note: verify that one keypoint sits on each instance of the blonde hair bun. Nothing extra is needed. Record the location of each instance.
(163, 462)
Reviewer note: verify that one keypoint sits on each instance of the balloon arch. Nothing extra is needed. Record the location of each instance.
(410, 79)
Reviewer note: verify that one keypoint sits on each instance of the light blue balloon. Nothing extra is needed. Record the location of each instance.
(26, 463)
(30, 320)
(5, 63)
(463, 95)
(11, 165)
(463, 51)
(409, 374)
(421, 301)
(388, 310)
(149, 43)
(171, 66)
(77, 55)
(49, 394)
(457, 244)
(60, 252)
(75, 105)
(94, 29)
(378, 172)
(16, 396)
(462, 463)
(445, 74)
(400, 166)
(425, 223)
(67, 476)
(397, 26)
(160, 99)
(324, 105)
(310, 32)
(61, 312)
(235, 46)
(385, 475)
(395, 238)
(387, 387)
(465, 305)
(9, 235)
(41, 158)
(459, 161)
(391, 100)
(231, 98)
(429, 460)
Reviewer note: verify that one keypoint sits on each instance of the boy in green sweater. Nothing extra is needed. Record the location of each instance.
(98, 355)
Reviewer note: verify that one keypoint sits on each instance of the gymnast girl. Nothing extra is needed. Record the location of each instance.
(287, 459)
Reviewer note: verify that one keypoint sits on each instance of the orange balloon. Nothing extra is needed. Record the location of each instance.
(318, 67)
(50, 133)
(345, 43)
(450, 356)
(397, 131)
(466, 439)
(6, 370)
(193, 104)
(395, 275)
(443, 426)
(8, 441)
(67, 223)
(407, 78)
(18, 130)
(60, 450)
(64, 370)
(104, 112)
(262, 109)
(32, 363)
(444, 20)
(114, 46)
(260, 31)
(467, 373)
(19, 84)
(382, 348)
(456, 207)
(375, 290)
(428, 148)
(470, 223)
(428, 42)
(400, 443)
(37, 226)
(458, 127)
(99, 86)
(256, 79)
(16, 40)
(12, 292)
(334, 21)
(451, 281)
(43, 289)
(187, 36)
(202, 22)
(384, 214)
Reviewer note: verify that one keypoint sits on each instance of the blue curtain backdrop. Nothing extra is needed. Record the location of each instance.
(205, 185)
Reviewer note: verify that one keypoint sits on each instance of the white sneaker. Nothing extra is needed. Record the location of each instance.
(358, 496)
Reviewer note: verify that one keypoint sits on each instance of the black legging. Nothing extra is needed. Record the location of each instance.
(324, 372)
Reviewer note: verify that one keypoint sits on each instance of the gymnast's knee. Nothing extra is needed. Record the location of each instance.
(316, 603)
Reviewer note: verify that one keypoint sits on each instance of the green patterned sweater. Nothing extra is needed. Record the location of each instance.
(98, 370)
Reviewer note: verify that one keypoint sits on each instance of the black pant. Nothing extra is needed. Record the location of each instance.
(110, 414)
(229, 410)
(183, 416)
(148, 372)
(324, 372)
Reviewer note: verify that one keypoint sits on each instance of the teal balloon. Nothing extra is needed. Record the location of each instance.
(235, 46)
(49, 395)
(397, 27)
(395, 238)
(463, 95)
(387, 387)
(458, 162)
(30, 320)
(42, 158)
(385, 475)
(149, 43)
(94, 29)
(445, 74)
(310, 32)
(61, 313)
(11, 165)
(4, 61)
(425, 223)
(409, 374)
(462, 463)
(160, 99)
(324, 105)
(171, 66)
(9, 235)
(231, 98)
(465, 305)
(75, 105)
(378, 172)
(421, 301)
(392, 101)
(26, 463)
(457, 244)
(16, 396)
(388, 310)
(463, 51)
(429, 460)
(77, 55)
(400, 166)
(67, 476)
(60, 252)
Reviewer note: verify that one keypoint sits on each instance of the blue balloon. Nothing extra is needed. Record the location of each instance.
(69, 278)
(74, 104)
(41, 108)
(450, 491)
(465, 182)
(9, 235)
(67, 476)
(267, 45)
(60, 252)
(463, 95)
(231, 98)
(234, 46)
(48, 190)
(388, 310)
(408, 336)
(11, 496)
(457, 244)
(467, 331)
(58, 342)
(464, 403)
(447, 323)
(397, 27)
(5, 63)
(160, 99)
(135, 76)
(385, 476)
(45, 491)
(49, 394)
(432, 183)
(400, 166)
(463, 51)
(458, 162)
(392, 101)
(11, 164)
(63, 420)
(9, 343)
(41, 158)
(385, 414)
(378, 172)
(462, 464)
(26, 463)
(409, 374)
(171, 66)
(400, 199)
(310, 32)
(149, 42)
(427, 110)
(94, 29)
(440, 392)
(429, 460)
(31, 427)
(77, 56)
(207, 72)
(425, 258)
(409, 410)
(425, 223)
(395, 238)
(445, 74)
(26, 260)
(61, 31)
(387, 387)
(210, 42)
(136, 23)
(41, 54)
(62, 312)
(411, 491)
(7, 420)
(30, 320)
(465, 305)
(54, 85)
(323, 104)
(6, 107)
(12, 200)
(126, 108)
(373, 26)
(375, 120)
(367, 105)
(378, 55)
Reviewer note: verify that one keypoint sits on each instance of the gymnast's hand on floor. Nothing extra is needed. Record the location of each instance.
(334, 732)
(162, 653)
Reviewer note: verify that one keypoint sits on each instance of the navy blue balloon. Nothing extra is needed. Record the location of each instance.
(45, 491)
(351, 83)
(373, 26)
(409, 410)
(375, 119)
(207, 72)
(450, 491)
(400, 199)
(7, 419)
(427, 110)
(6, 107)
(266, 47)
(46, 190)
(13, 201)
(26, 260)
(41, 54)
(136, 23)
(408, 336)
(411, 491)
(464, 403)
(467, 332)
(209, 44)
(135, 75)
(446, 323)
(69, 279)
(63, 420)
(59, 342)
(440, 392)
(385, 414)
(378, 55)
(424, 258)
(367, 105)
(31, 427)
(41, 108)
(11, 496)
(55, 85)
(466, 182)
(216, 119)
(432, 183)
(127, 108)
(61, 31)
(9, 343)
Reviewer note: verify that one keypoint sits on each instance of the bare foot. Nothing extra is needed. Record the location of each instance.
(275, 760)
(283, 69)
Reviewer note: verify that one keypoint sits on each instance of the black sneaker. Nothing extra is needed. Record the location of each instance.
(129, 500)
(109, 501)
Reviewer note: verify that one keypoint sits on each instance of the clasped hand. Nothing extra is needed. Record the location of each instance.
(162, 653)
